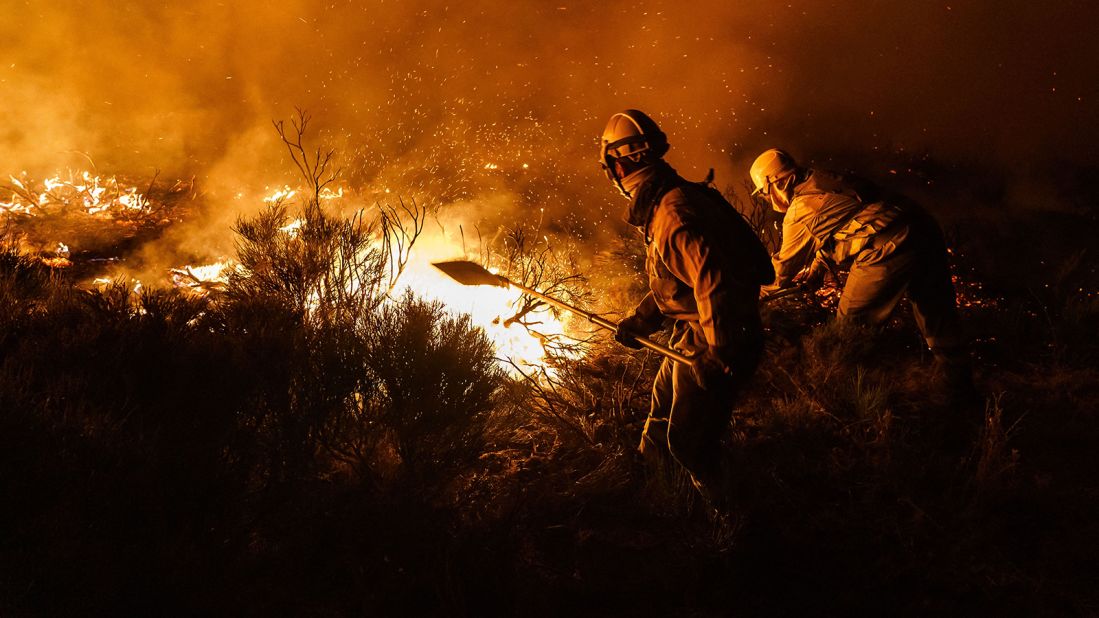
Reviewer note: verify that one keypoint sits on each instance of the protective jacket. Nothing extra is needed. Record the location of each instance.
(705, 267)
(891, 247)
(833, 217)
(704, 263)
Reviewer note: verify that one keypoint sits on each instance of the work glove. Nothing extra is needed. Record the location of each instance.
(631, 328)
(768, 291)
(709, 370)
(810, 280)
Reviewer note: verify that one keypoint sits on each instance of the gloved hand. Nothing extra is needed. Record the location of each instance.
(709, 370)
(768, 291)
(810, 280)
(630, 329)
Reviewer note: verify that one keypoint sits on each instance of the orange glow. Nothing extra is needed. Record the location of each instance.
(518, 345)
(202, 279)
(489, 307)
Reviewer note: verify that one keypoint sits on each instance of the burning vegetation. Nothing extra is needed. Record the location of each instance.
(239, 386)
(323, 422)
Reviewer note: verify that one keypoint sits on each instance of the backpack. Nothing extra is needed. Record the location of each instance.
(741, 233)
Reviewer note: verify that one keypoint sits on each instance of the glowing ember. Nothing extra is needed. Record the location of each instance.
(971, 294)
(828, 295)
(60, 259)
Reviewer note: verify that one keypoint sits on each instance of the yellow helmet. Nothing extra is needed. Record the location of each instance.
(770, 167)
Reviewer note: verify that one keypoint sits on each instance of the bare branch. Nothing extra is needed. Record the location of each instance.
(313, 167)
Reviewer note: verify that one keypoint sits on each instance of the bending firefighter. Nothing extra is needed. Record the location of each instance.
(890, 246)
(705, 267)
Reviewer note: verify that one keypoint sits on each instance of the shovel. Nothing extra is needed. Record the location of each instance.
(472, 273)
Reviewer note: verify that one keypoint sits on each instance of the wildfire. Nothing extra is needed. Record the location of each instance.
(280, 194)
(79, 204)
(93, 194)
(60, 258)
(135, 285)
(971, 294)
(203, 279)
(292, 228)
(521, 345)
(521, 342)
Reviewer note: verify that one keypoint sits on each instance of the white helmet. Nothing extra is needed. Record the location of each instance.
(631, 136)
(770, 167)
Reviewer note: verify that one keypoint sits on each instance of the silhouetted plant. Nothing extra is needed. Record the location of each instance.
(325, 268)
(437, 378)
(758, 214)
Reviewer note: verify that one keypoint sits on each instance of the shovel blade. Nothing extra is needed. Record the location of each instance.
(469, 273)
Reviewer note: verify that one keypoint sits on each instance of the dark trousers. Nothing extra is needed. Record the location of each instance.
(686, 420)
(912, 259)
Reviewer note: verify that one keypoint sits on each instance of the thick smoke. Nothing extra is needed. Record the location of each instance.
(452, 104)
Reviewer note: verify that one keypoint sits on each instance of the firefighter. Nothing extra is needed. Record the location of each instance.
(889, 246)
(705, 267)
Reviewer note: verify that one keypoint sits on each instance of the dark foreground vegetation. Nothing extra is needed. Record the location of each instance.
(288, 447)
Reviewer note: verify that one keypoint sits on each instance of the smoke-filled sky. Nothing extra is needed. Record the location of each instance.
(421, 97)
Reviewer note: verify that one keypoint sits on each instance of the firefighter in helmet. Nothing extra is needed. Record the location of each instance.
(889, 245)
(705, 267)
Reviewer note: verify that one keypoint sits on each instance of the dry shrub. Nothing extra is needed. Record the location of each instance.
(995, 459)
(191, 432)
(437, 379)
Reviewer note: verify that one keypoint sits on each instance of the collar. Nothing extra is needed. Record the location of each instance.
(647, 187)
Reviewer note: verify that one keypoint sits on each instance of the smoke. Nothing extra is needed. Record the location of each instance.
(461, 103)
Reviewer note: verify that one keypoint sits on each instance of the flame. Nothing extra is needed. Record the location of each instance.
(135, 284)
(278, 195)
(286, 193)
(95, 195)
(203, 279)
(292, 228)
(60, 258)
(329, 194)
(521, 347)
